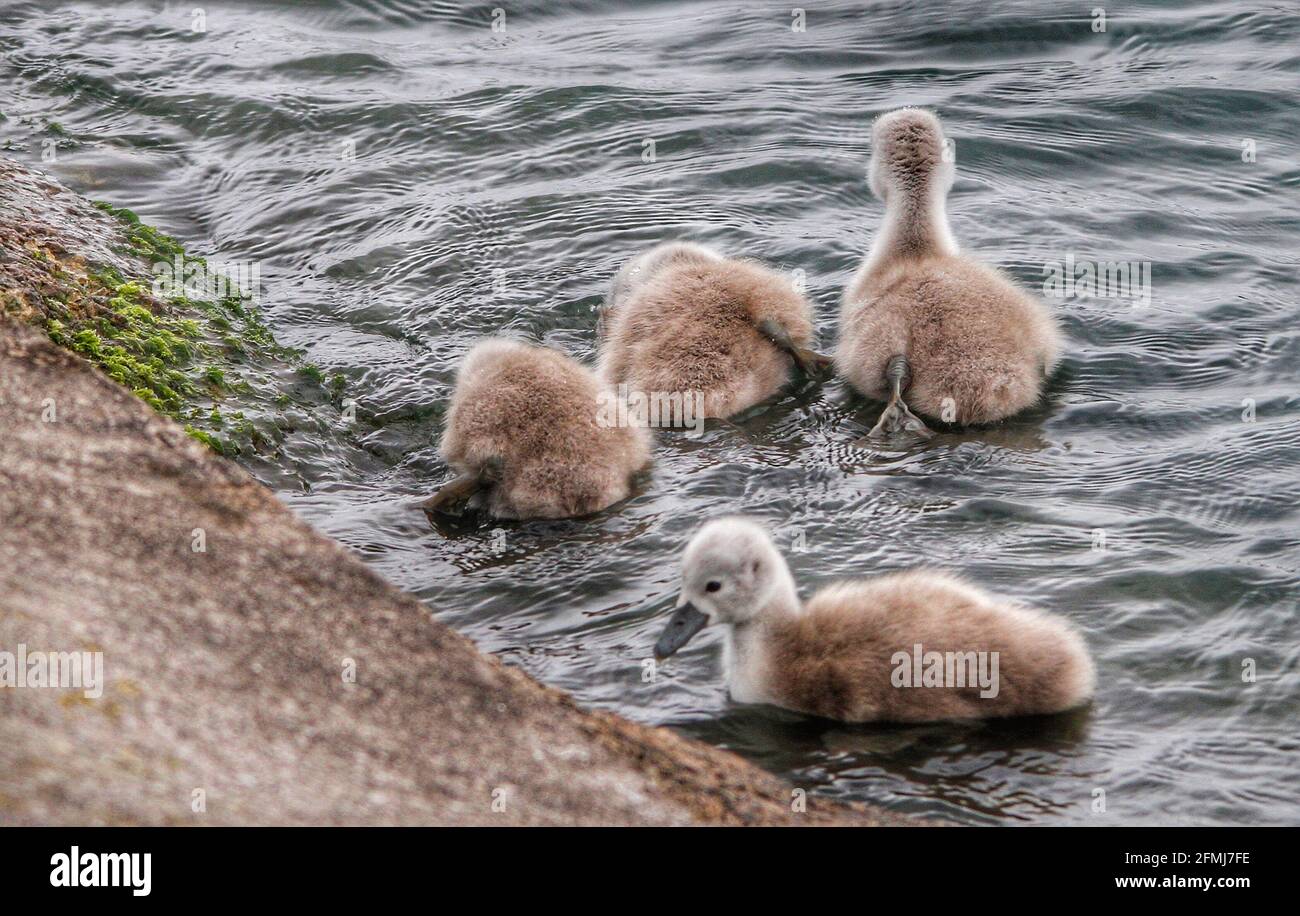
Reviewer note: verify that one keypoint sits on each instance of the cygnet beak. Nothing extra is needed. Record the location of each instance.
(685, 623)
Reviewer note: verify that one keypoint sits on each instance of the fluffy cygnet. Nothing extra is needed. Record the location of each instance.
(916, 646)
(963, 342)
(682, 319)
(525, 431)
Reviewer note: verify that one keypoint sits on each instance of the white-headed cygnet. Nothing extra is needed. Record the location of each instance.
(958, 337)
(917, 646)
(682, 319)
(523, 431)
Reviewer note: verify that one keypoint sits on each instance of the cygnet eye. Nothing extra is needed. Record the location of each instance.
(712, 586)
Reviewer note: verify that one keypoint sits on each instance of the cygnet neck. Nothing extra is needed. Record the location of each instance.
(782, 599)
(915, 226)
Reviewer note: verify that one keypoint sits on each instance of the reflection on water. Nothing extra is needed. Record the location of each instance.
(410, 180)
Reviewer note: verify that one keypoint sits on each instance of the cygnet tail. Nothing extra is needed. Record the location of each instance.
(808, 360)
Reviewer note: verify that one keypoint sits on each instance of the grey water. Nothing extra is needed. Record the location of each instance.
(409, 178)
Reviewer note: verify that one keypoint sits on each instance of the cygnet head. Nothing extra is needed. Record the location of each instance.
(731, 573)
(908, 155)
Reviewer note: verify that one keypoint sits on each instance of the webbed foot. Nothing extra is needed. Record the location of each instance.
(453, 496)
(897, 417)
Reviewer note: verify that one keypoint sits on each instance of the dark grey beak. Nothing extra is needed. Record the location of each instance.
(685, 623)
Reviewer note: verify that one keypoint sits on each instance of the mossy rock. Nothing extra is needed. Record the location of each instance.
(100, 282)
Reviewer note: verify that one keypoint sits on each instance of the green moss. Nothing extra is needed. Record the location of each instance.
(107, 276)
(87, 343)
(207, 439)
(150, 398)
(58, 332)
(178, 356)
(146, 351)
(145, 240)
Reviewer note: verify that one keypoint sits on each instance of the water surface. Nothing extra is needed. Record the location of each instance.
(410, 180)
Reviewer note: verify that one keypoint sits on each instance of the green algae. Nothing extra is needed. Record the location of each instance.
(211, 364)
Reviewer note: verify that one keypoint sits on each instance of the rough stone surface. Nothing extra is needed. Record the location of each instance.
(41, 221)
(224, 667)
